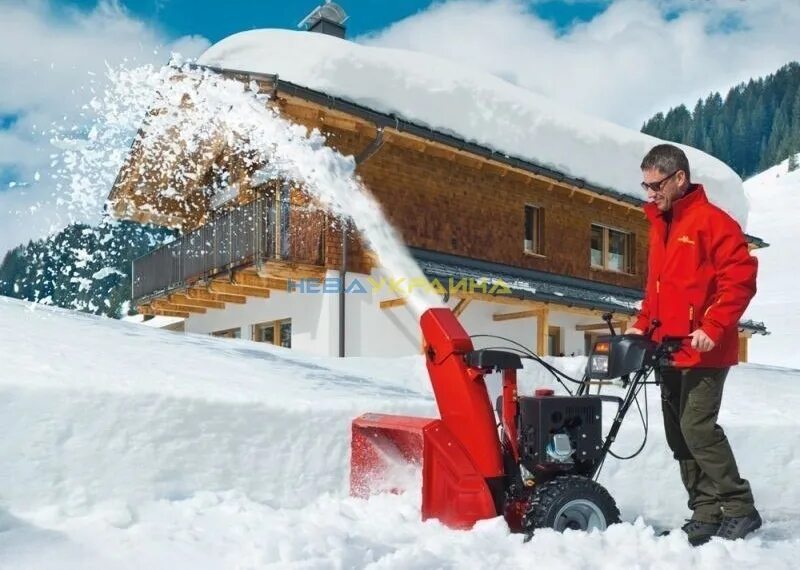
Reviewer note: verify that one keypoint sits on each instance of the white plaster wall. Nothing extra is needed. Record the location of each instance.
(313, 319)
(372, 331)
(477, 319)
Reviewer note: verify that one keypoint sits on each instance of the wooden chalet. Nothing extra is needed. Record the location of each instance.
(568, 251)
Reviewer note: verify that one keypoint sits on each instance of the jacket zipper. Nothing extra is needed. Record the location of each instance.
(691, 319)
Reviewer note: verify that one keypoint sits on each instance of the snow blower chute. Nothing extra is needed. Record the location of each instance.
(537, 468)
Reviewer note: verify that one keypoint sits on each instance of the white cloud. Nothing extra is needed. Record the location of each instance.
(52, 62)
(636, 58)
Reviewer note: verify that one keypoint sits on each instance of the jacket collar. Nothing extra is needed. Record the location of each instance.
(696, 195)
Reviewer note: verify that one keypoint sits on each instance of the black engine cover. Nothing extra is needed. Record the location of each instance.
(541, 417)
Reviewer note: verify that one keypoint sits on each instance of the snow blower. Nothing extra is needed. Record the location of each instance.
(538, 468)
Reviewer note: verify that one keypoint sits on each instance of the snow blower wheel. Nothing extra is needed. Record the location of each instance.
(571, 502)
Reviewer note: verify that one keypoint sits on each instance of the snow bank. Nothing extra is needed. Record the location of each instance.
(467, 103)
(97, 409)
(773, 217)
(126, 447)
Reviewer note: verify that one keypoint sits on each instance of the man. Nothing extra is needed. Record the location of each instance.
(700, 280)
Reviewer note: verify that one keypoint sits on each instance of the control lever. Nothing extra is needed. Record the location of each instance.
(607, 318)
(654, 324)
(670, 345)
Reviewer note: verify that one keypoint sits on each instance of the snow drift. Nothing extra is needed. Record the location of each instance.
(125, 446)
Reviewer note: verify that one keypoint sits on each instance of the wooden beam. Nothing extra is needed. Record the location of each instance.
(392, 303)
(250, 279)
(599, 326)
(197, 293)
(179, 299)
(542, 324)
(221, 286)
(517, 315)
(501, 299)
(461, 306)
(167, 306)
(290, 270)
(169, 313)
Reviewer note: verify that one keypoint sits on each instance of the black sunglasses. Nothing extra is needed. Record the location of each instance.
(656, 186)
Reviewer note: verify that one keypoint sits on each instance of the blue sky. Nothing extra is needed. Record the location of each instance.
(209, 19)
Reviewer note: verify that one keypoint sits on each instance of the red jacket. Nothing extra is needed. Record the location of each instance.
(700, 275)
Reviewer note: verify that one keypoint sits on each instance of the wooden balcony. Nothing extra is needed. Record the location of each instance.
(266, 233)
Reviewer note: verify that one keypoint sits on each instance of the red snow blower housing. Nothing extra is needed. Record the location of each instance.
(537, 468)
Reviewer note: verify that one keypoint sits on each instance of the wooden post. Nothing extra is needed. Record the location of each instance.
(542, 324)
(460, 307)
(278, 212)
(743, 342)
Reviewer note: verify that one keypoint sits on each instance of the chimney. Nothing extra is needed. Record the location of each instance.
(329, 18)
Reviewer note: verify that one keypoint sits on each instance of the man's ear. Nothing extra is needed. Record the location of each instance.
(681, 179)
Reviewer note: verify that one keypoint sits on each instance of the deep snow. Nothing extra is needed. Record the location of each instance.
(773, 217)
(129, 447)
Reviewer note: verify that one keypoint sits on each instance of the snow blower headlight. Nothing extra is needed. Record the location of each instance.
(599, 364)
(598, 361)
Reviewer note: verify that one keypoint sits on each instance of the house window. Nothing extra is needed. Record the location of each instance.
(612, 249)
(534, 230)
(228, 333)
(278, 333)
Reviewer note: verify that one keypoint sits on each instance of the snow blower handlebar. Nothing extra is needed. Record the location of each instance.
(619, 356)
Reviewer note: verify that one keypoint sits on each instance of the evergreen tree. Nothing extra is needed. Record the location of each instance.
(756, 124)
(81, 267)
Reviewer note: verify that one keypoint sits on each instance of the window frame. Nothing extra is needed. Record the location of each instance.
(630, 249)
(276, 331)
(537, 248)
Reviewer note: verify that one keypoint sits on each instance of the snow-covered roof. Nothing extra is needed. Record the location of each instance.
(469, 104)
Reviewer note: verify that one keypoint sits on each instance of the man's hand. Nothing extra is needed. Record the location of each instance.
(633, 330)
(701, 342)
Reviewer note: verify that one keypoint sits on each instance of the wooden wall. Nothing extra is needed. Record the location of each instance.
(464, 206)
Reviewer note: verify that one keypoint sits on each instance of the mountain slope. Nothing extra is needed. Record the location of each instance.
(773, 198)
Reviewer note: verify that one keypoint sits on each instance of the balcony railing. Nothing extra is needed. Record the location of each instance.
(263, 230)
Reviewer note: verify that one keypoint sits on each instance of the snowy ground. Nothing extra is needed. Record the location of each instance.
(128, 447)
(773, 217)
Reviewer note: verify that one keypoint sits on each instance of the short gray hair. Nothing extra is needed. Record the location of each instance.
(666, 158)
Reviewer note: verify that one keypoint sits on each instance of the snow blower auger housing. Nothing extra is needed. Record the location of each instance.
(537, 468)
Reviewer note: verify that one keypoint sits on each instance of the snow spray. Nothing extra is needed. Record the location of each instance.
(183, 110)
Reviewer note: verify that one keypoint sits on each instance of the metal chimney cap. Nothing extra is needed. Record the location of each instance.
(330, 11)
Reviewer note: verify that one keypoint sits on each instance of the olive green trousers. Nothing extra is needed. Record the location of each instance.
(690, 401)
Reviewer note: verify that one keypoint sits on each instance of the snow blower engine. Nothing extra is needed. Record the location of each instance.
(537, 468)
